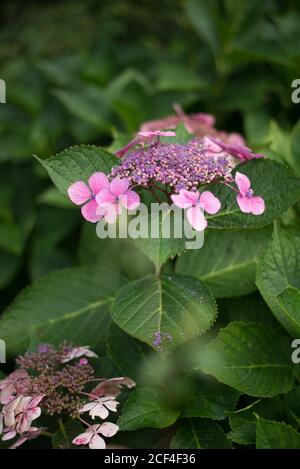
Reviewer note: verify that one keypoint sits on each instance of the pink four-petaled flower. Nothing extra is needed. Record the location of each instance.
(81, 193)
(111, 199)
(100, 407)
(247, 201)
(195, 203)
(92, 436)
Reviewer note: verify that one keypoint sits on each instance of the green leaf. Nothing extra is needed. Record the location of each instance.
(160, 249)
(275, 435)
(174, 304)
(147, 407)
(249, 357)
(200, 434)
(210, 399)
(203, 17)
(227, 261)
(177, 77)
(278, 279)
(295, 146)
(264, 176)
(292, 400)
(71, 304)
(130, 356)
(77, 163)
(243, 422)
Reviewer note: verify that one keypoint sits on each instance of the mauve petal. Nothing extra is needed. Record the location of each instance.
(242, 182)
(130, 200)
(211, 145)
(6, 394)
(79, 192)
(108, 429)
(83, 438)
(196, 218)
(97, 182)
(97, 443)
(9, 419)
(105, 198)
(210, 203)
(185, 199)
(35, 401)
(9, 435)
(257, 205)
(119, 186)
(89, 212)
(244, 203)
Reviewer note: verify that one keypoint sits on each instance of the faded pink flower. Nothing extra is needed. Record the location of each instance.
(100, 407)
(92, 436)
(8, 385)
(27, 410)
(111, 200)
(112, 387)
(143, 136)
(195, 203)
(9, 412)
(80, 193)
(234, 149)
(31, 434)
(246, 200)
(77, 352)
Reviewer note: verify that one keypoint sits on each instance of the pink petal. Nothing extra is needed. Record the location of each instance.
(211, 204)
(108, 429)
(97, 182)
(83, 438)
(112, 405)
(99, 411)
(23, 424)
(130, 200)
(156, 133)
(185, 199)
(89, 212)
(97, 443)
(244, 203)
(87, 407)
(9, 419)
(257, 205)
(119, 186)
(35, 401)
(242, 182)
(111, 213)
(9, 435)
(196, 218)
(211, 145)
(79, 192)
(105, 198)
(34, 413)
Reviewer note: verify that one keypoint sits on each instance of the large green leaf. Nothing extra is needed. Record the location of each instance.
(278, 279)
(77, 163)
(275, 435)
(160, 249)
(71, 304)
(249, 357)
(209, 399)
(243, 422)
(147, 407)
(171, 304)
(227, 261)
(264, 176)
(295, 146)
(200, 434)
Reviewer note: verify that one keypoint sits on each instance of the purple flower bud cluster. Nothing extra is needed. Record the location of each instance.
(181, 166)
(159, 337)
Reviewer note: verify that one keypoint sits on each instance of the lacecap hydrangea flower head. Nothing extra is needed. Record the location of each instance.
(182, 171)
(58, 382)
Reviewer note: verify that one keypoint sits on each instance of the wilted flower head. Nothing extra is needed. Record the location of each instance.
(56, 381)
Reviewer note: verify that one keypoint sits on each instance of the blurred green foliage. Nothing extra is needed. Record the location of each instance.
(81, 72)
